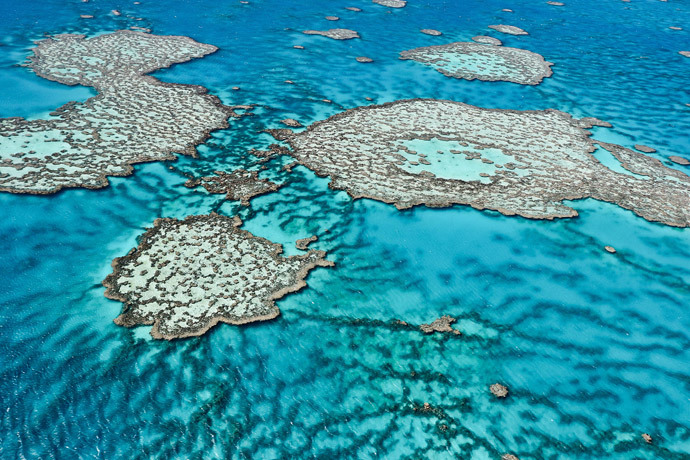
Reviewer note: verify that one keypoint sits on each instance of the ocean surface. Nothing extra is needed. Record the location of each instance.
(594, 347)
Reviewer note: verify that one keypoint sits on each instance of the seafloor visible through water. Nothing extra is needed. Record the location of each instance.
(594, 347)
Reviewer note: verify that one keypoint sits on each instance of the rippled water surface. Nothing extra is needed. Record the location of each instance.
(595, 347)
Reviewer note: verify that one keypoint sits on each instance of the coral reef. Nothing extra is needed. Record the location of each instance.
(644, 148)
(187, 275)
(498, 390)
(485, 39)
(134, 118)
(439, 153)
(391, 3)
(336, 34)
(441, 324)
(512, 30)
(679, 160)
(472, 61)
(291, 122)
(304, 243)
(239, 185)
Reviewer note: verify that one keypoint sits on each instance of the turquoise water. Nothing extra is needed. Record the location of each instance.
(594, 347)
(447, 160)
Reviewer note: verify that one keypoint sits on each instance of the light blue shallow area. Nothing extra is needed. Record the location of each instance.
(447, 160)
(594, 346)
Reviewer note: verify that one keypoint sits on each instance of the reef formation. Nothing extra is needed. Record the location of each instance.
(335, 34)
(187, 275)
(506, 29)
(134, 118)
(439, 153)
(442, 324)
(291, 122)
(498, 390)
(239, 185)
(391, 3)
(470, 61)
(303, 244)
(644, 148)
(487, 40)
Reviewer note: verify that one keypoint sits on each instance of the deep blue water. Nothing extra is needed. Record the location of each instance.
(595, 348)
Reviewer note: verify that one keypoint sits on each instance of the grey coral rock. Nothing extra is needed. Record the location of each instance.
(188, 275)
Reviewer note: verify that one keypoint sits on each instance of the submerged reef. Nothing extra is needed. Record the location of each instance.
(470, 61)
(239, 185)
(512, 30)
(187, 275)
(439, 153)
(134, 118)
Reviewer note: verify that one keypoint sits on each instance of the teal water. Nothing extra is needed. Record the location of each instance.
(594, 347)
(447, 160)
